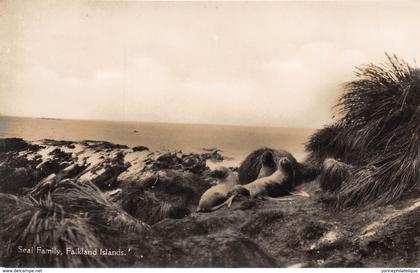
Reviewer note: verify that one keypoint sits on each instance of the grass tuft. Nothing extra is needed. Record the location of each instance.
(28, 223)
(378, 133)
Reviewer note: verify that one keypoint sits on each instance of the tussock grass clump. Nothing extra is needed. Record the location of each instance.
(324, 144)
(333, 174)
(379, 133)
(27, 223)
(103, 215)
(158, 197)
(65, 214)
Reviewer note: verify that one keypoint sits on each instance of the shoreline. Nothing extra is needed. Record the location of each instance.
(235, 142)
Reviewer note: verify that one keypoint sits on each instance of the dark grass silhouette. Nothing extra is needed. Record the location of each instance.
(159, 197)
(66, 214)
(378, 134)
(28, 222)
(105, 217)
(324, 144)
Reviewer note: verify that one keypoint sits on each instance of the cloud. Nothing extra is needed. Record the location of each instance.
(277, 63)
(306, 84)
(297, 91)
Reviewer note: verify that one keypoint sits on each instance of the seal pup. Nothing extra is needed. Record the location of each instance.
(280, 182)
(218, 195)
(268, 165)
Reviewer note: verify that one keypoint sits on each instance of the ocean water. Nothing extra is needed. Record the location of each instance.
(234, 141)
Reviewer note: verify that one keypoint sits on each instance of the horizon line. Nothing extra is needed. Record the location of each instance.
(159, 122)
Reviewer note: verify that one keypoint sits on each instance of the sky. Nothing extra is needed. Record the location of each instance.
(242, 63)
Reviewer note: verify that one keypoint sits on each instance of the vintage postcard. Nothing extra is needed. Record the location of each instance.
(279, 134)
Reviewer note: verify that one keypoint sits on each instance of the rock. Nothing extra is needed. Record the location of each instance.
(194, 163)
(105, 174)
(51, 142)
(167, 161)
(213, 155)
(140, 149)
(12, 144)
(51, 167)
(136, 170)
(59, 155)
(177, 161)
(102, 145)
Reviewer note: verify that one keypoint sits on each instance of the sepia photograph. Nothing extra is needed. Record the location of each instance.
(206, 134)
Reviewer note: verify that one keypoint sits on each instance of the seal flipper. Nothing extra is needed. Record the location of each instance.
(280, 198)
(299, 193)
(228, 202)
(293, 193)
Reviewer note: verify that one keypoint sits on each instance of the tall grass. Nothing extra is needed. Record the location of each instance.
(378, 133)
(65, 214)
(28, 223)
(157, 198)
(105, 217)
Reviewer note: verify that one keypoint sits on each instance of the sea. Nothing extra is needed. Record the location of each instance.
(235, 142)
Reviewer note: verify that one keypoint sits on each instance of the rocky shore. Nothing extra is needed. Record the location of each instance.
(94, 194)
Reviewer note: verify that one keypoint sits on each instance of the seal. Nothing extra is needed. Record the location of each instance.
(263, 162)
(268, 165)
(279, 183)
(216, 196)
